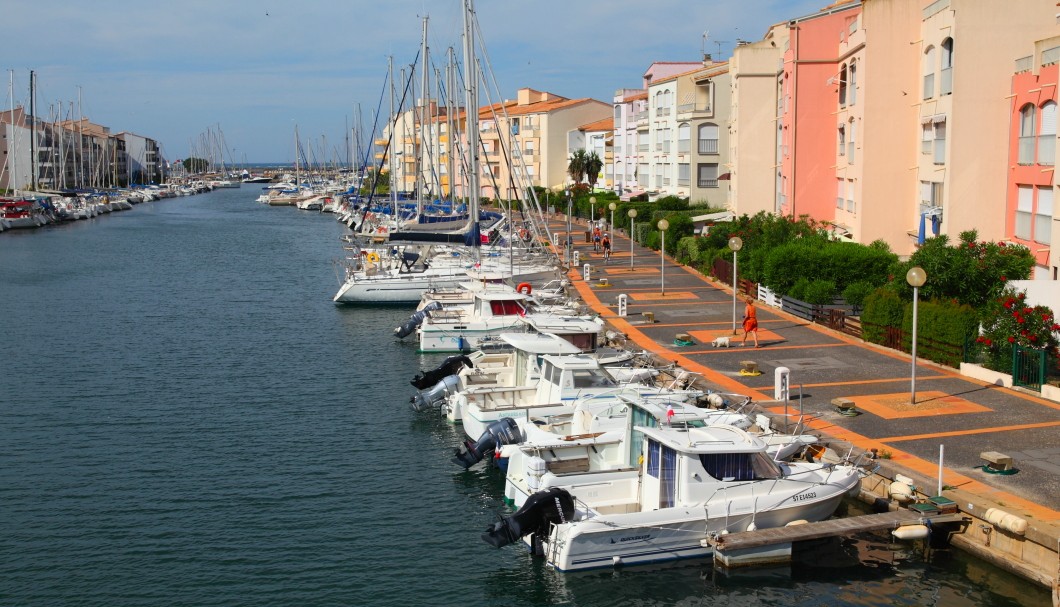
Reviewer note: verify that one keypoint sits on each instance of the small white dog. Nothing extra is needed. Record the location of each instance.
(721, 342)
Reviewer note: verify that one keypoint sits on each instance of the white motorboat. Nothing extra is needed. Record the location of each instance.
(668, 490)
(22, 213)
(563, 380)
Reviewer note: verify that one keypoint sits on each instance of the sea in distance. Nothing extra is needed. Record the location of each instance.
(187, 419)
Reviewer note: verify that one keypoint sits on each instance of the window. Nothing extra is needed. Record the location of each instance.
(684, 172)
(666, 140)
(1043, 216)
(850, 196)
(946, 73)
(708, 175)
(930, 195)
(1024, 212)
(850, 143)
(926, 138)
(1026, 143)
(839, 194)
(929, 72)
(843, 86)
(1047, 135)
(842, 139)
(529, 148)
(618, 114)
(852, 86)
(708, 138)
(740, 466)
(940, 143)
(684, 135)
(506, 308)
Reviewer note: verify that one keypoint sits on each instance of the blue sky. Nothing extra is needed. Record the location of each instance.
(173, 70)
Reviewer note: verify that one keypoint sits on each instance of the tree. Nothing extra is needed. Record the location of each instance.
(577, 165)
(593, 164)
(195, 165)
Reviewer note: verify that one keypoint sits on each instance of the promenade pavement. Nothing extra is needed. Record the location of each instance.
(967, 416)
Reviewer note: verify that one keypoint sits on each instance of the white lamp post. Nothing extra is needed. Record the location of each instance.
(592, 211)
(632, 215)
(735, 243)
(663, 226)
(570, 242)
(612, 206)
(916, 277)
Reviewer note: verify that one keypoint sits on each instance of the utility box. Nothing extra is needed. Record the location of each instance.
(623, 300)
(587, 272)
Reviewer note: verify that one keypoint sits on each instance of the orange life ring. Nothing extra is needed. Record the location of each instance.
(524, 288)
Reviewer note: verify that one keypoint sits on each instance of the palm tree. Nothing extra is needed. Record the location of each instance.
(593, 164)
(576, 166)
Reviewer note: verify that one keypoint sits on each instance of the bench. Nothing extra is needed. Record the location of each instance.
(996, 461)
(844, 406)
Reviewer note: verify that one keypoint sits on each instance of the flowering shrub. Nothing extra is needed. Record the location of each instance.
(1008, 321)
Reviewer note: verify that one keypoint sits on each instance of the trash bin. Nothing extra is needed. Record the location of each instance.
(588, 237)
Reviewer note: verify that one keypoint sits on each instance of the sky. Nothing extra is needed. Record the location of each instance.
(254, 70)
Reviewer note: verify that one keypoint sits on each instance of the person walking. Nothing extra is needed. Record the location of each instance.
(750, 322)
(606, 244)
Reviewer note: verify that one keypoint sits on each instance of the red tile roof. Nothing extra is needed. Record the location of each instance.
(607, 124)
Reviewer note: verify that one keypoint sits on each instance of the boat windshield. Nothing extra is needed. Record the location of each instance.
(592, 378)
(507, 308)
(740, 466)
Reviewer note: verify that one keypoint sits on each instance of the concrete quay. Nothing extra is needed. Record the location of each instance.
(965, 415)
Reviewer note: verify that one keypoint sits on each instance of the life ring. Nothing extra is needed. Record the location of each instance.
(524, 288)
(373, 257)
(524, 234)
(380, 230)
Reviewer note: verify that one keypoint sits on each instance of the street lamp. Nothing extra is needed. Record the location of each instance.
(612, 206)
(570, 242)
(592, 211)
(735, 243)
(916, 277)
(632, 215)
(663, 226)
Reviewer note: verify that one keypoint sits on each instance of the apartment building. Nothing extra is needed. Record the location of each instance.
(628, 105)
(1031, 217)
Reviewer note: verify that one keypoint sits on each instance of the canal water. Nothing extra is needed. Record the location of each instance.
(187, 419)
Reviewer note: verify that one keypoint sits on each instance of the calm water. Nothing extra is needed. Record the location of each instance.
(187, 419)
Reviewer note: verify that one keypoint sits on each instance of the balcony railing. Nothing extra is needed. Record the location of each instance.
(1026, 150)
(1047, 149)
(686, 107)
(708, 146)
(1024, 64)
(641, 115)
(929, 86)
(662, 111)
(682, 181)
(708, 183)
(946, 81)
(643, 147)
(684, 146)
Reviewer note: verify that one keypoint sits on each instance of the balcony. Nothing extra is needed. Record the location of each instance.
(662, 111)
(708, 146)
(1047, 150)
(642, 115)
(708, 183)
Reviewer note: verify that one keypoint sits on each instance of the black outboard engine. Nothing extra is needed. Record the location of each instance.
(541, 509)
(416, 320)
(501, 432)
(450, 366)
(428, 398)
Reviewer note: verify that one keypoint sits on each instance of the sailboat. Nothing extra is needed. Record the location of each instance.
(400, 274)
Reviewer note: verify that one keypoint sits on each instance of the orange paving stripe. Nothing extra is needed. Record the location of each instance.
(628, 272)
(650, 345)
(713, 350)
(898, 439)
(930, 469)
(929, 403)
(657, 295)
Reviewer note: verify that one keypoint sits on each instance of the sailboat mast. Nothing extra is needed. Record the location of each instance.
(450, 100)
(471, 111)
(11, 143)
(391, 165)
(421, 159)
(33, 163)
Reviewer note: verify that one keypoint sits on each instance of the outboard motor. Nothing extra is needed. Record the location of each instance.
(541, 509)
(450, 366)
(428, 398)
(416, 320)
(501, 432)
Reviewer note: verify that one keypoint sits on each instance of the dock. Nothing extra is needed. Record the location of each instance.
(772, 546)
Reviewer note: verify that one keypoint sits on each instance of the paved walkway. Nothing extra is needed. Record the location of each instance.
(967, 416)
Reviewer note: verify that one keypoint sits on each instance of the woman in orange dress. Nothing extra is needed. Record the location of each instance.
(750, 322)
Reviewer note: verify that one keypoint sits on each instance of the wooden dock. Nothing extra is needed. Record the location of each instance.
(746, 540)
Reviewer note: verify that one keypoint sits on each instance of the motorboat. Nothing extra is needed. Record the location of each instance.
(665, 492)
(22, 213)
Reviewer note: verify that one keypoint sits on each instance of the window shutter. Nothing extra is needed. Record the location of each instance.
(1049, 118)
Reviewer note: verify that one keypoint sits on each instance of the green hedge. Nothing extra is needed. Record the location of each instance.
(883, 308)
(944, 323)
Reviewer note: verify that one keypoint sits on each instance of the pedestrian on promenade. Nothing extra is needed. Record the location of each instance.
(750, 322)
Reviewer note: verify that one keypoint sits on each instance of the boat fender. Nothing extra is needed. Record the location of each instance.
(450, 366)
(900, 492)
(524, 288)
(540, 511)
(800, 521)
(1006, 521)
(911, 532)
